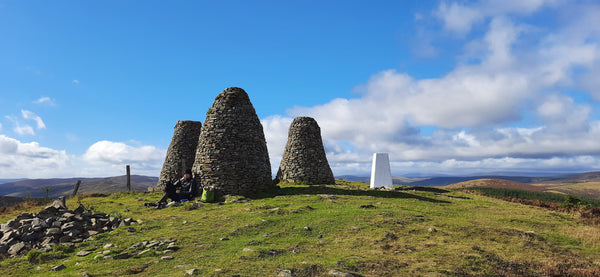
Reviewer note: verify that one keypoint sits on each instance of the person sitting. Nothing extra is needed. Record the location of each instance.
(183, 189)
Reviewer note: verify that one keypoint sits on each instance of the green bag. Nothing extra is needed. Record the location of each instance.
(208, 195)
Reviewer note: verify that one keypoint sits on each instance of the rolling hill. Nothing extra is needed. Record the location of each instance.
(37, 188)
(335, 230)
(590, 189)
(495, 183)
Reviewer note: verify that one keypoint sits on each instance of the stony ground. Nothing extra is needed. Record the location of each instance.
(323, 231)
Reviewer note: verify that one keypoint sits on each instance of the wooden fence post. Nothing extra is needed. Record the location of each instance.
(128, 178)
(76, 188)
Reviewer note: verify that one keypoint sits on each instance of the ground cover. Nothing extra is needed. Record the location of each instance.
(311, 230)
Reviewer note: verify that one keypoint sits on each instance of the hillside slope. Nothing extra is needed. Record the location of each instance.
(314, 230)
(495, 183)
(36, 188)
(586, 189)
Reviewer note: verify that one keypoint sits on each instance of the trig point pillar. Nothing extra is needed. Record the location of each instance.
(381, 175)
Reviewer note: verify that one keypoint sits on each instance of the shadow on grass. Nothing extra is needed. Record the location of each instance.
(315, 190)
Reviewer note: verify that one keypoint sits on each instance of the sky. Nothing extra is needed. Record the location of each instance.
(444, 87)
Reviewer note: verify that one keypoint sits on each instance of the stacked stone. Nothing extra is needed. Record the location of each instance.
(181, 152)
(304, 158)
(232, 154)
(53, 225)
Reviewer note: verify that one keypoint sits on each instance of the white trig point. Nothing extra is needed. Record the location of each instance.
(381, 175)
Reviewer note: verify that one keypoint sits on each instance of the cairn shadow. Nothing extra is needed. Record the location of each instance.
(316, 190)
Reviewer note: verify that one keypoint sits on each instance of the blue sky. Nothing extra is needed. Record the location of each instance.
(446, 87)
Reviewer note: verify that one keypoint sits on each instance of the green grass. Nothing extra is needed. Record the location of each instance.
(312, 229)
(535, 195)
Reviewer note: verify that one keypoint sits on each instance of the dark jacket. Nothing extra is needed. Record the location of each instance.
(187, 188)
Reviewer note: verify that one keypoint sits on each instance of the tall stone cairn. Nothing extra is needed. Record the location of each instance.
(232, 154)
(181, 152)
(304, 158)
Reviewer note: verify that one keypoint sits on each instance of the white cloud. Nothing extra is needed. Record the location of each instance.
(276, 133)
(460, 18)
(117, 154)
(31, 160)
(75, 82)
(23, 129)
(104, 158)
(32, 116)
(44, 100)
(473, 107)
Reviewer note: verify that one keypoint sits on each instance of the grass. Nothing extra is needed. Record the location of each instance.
(535, 195)
(312, 229)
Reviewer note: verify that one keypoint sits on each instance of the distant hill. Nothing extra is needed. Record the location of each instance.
(586, 187)
(7, 201)
(37, 188)
(396, 180)
(2, 181)
(495, 183)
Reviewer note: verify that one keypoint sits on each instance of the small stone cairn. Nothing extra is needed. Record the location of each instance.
(53, 225)
(232, 155)
(181, 152)
(304, 158)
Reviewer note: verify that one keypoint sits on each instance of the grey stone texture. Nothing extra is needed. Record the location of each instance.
(51, 226)
(232, 154)
(181, 153)
(304, 158)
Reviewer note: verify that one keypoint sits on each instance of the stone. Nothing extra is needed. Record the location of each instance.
(181, 152)
(167, 258)
(122, 256)
(16, 248)
(153, 244)
(58, 267)
(80, 209)
(286, 273)
(304, 158)
(84, 253)
(8, 235)
(53, 231)
(191, 272)
(381, 175)
(232, 156)
(53, 224)
(334, 272)
(172, 246)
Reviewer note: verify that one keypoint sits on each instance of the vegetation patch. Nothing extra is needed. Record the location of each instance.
(313, 230)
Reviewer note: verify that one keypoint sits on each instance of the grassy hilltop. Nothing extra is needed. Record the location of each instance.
(312, 230)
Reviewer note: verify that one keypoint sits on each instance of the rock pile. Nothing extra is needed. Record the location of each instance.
(181, 152)
(53, 225)
(232, 152)
(304, 158)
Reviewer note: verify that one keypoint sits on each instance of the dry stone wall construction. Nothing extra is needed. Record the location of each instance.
(304, 158)
(232, 152)
(182, 151)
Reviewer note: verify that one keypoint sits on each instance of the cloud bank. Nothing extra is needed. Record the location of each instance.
(509, 106)
(104, 158)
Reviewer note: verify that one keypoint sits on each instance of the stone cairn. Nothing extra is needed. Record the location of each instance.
(232, 155)
(53, 225)
(304, 158)
(181, 152)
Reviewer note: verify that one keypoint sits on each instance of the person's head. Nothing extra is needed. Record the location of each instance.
(188, 174)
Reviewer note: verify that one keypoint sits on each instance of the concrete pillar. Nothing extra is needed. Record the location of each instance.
(381, 174)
